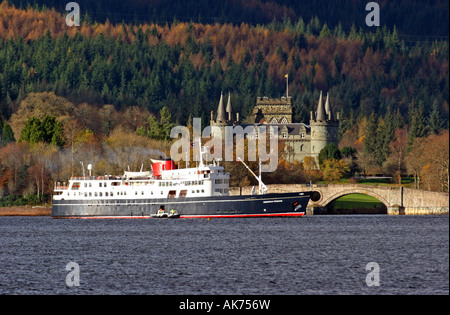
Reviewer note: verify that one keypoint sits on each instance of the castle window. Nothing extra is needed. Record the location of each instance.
(302, 135)
(284, 135)
(274, 121)
(284, 120)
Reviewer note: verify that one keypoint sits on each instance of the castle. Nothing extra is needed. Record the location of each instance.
(300, 140)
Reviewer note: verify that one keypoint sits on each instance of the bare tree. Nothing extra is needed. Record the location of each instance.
(416, 160)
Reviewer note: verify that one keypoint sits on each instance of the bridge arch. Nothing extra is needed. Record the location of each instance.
(326, 200)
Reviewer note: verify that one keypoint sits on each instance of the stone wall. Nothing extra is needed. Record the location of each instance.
(398, 200)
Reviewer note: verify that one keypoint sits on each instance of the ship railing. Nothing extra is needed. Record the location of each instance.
(106, 177)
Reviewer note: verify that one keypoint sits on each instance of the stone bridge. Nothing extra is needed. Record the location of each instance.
(398, 200)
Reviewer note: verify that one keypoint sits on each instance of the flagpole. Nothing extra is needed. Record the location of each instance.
(287, 86)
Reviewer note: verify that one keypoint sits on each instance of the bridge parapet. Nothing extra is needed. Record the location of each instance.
(398, 200)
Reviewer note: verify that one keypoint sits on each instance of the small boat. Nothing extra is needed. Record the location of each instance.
(173, 214)
(161, 214)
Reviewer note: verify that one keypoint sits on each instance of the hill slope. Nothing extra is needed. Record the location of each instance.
(424, 18)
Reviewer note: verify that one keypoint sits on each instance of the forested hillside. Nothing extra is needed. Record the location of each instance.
(190, 64)
(101, 76)
(427, 18)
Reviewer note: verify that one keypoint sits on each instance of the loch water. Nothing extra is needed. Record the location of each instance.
(263, 256)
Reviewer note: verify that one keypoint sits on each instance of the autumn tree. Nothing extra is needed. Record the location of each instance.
(311, 170)
(333, 170)
(128, 150)
(39, 105)
(435, 173)
(365, 162)
(416, 160)
(395, 163)
(14, 157)
(44, 163)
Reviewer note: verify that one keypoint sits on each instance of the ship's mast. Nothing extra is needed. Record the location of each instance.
(201, 152)
(262, 187)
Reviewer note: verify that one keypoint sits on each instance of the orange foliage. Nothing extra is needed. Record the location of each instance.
(239, 42)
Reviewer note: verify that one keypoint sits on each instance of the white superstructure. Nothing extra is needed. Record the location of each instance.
(202, 181)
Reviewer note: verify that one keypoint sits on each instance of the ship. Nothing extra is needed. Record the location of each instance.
(193, 192)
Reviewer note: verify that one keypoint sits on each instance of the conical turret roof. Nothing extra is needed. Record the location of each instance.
(229, 107)
(328, 108)
(221, 117)
(321, 115)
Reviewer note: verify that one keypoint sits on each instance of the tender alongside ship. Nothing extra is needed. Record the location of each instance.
(197, 192)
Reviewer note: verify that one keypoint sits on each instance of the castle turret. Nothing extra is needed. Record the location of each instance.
(324, 128)
(321, 114)
(221, 117)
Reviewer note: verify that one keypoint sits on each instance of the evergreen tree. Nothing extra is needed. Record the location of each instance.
(325, 32)
(47, 130)
(385, 134)
(417, 122)
(370, 139)
(1, 126)
(158, 129)
(435, 121)
(329, 152)
(7, 135)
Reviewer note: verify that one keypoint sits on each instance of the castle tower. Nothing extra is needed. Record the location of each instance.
(324, 127)
(273, 110)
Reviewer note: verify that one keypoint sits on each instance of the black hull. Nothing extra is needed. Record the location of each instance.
(287, 204)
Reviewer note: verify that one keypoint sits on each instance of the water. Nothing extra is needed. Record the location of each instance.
(310, 255)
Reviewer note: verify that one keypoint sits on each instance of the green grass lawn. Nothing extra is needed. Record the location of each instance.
(356, 201)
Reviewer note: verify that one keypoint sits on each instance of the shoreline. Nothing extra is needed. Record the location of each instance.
(25, 211)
